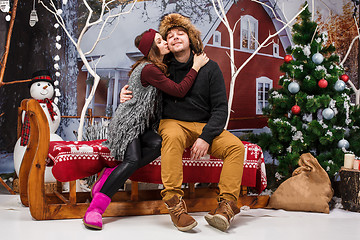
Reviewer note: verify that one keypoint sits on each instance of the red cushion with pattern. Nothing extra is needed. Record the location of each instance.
(78, 159)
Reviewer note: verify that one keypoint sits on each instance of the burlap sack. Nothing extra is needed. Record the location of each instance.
(309, 189)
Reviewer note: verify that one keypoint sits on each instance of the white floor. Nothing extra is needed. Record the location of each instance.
(16, 223)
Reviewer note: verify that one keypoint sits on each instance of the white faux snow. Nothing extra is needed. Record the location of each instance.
(250, 224)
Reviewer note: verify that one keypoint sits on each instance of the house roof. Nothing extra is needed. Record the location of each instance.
(285, 35)
(118, 51)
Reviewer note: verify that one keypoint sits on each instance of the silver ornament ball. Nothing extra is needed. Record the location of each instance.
(339, 85)
(328, 113)
(317, 58)
(294, 87)
(343, 143)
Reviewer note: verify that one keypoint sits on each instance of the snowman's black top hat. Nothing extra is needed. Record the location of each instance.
(41, 76)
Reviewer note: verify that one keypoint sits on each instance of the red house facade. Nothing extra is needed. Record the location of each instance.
(260, 74)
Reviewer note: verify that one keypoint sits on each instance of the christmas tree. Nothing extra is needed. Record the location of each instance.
(312, 111)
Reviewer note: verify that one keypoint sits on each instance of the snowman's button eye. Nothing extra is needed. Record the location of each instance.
(43, 106)
(49, 84)
(38, 84)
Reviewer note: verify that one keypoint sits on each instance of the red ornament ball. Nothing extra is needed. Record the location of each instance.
(323, 83)
(288, 58)
(295, 109)
(344, 77)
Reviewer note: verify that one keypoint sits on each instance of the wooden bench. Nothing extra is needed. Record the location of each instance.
(73, 204)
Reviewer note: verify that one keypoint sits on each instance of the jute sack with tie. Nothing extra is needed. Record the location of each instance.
(309, 189)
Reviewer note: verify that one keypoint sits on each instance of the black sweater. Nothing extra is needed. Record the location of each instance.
(205, 102)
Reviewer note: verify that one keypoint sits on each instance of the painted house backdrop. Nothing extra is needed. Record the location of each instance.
(114, 56)
(34, 48)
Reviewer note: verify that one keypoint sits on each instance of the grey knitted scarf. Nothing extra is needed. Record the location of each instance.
(132, 117)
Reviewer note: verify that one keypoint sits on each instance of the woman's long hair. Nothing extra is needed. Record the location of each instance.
(153, 56)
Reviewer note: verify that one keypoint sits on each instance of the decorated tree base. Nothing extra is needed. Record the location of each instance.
(350, 189)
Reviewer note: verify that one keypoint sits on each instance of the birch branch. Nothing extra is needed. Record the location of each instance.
(235, 73)
(91, 69)
(313, 10)
(270, 9)
(267, 39)
(103, 26)
(356, 91)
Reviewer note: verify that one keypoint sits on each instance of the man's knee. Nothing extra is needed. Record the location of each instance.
(235, 148)
(171, 132)
(170, 136)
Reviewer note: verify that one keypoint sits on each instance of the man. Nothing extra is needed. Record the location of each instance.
(196, 120)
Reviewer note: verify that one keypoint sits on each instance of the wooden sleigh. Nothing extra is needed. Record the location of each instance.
(73, 204)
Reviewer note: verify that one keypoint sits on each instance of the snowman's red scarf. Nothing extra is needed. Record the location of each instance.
(25, 130)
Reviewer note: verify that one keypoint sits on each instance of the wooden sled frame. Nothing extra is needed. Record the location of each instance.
(60, 205)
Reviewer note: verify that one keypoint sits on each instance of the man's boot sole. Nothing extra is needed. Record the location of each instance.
(217, 221)
(187, 228)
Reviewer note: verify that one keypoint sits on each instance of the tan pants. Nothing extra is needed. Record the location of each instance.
(178, 135)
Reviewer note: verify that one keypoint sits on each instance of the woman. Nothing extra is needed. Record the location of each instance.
(132, 137)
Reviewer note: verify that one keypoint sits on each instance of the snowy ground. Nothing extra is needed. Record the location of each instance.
(16, 223)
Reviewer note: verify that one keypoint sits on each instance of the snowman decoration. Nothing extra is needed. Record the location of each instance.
(42, 89)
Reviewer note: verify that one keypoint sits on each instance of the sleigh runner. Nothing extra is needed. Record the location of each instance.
(73, 204)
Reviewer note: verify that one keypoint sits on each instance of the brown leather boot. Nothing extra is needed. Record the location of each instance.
(221, 217)
(179, 216)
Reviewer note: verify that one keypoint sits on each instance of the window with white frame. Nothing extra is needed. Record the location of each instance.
(249, 33)
(263, 85)
(217, 38)
(275, 49)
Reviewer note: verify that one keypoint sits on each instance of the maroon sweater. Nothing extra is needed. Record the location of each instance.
(152, 75)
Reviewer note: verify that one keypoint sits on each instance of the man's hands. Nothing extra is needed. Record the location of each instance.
(199, 149)
(125, 94)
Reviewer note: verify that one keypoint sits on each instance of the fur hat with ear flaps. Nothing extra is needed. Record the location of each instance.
(177, 20)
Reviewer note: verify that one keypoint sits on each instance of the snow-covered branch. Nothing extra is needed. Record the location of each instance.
(100, 20)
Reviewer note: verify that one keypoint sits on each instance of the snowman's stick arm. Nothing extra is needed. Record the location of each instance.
(13, 82)
(7, 46)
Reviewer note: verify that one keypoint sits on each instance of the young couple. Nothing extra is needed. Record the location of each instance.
(193, 112)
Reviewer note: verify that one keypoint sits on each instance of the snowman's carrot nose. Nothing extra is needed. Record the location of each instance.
(45, 86)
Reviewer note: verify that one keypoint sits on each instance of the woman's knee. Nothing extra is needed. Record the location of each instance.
(156, 141)
(151, 140)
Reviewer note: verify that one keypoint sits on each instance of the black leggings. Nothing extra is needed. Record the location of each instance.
(140, 152)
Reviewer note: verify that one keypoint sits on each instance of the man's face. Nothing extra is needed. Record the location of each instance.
(178, 40)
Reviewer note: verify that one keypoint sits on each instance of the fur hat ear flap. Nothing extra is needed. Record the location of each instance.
(177, 20)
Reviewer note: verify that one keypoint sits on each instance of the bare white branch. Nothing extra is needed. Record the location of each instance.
(312, 39)
(356, 91)
(91, 68)
(234, 71)
(231, 61)
(267, 39)
(110, 16)
(283, 10)
(313, 10)
(272, 10)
